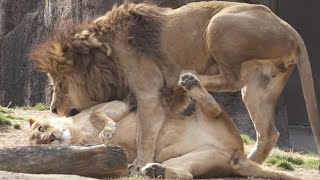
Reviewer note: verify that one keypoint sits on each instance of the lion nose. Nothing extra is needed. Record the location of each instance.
(52, 137)
(54, 110)
(73, 112)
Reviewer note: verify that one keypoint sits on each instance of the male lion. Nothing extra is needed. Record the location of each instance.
(203, 145)
(140, 48)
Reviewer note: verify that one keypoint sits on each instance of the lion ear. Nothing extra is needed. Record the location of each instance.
(31, 121)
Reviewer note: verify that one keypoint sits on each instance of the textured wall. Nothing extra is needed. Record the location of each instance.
(24, 23)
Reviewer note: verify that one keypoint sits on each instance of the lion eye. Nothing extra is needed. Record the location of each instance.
(41, 128)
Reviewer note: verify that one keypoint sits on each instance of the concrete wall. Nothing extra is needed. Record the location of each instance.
(304, 16)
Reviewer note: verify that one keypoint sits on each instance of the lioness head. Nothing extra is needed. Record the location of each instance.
(43, 132)
(81, 68)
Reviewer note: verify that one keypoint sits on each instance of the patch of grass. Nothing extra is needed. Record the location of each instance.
(16, 126)
(285, 165)
(286, 161)
(246, 139)
(6, 116)
(291, 159)
(312, 164)
(4, 120)
(272, 160)
(38, 107)
(4, 110)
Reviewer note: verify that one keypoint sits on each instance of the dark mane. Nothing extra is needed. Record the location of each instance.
(140, 23)
(81, 51)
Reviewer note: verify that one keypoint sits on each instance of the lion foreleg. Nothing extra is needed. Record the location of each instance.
(145, 79)
(150, 119)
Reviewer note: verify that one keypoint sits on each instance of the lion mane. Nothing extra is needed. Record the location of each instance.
(80, 53)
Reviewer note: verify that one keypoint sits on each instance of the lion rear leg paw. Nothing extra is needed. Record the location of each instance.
(188, 81)
(192, 85)
(107, 133)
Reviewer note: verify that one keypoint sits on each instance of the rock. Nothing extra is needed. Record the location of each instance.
(5, 175)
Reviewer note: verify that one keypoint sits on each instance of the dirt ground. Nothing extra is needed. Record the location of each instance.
(19, 137)
(10, 137)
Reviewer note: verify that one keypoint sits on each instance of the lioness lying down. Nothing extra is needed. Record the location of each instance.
(205, 144)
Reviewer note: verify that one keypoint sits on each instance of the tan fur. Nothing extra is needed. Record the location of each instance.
(187, 147)
(142, 48)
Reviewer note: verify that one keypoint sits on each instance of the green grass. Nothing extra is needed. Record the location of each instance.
(4, 110)
(16, 126)
(312, 164)
(283, 164)
(6, 116)
(246, 139)
(4, 120)
(38, 107)
(289, 162)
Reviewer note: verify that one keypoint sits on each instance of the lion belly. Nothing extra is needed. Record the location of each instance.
(179, 136)
(229, 33)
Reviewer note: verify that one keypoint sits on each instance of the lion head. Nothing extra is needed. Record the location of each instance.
(82, 70)
(83, 61)
(43, 132)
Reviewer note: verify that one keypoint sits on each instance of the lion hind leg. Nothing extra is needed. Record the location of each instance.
(197, 91)
(263, 84)
(245, 167)
(201, 163)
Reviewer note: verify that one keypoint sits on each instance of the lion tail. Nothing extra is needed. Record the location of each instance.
(305, 72)
(247, 168)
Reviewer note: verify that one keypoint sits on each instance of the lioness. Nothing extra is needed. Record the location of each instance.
(140, 48)
(187, 147)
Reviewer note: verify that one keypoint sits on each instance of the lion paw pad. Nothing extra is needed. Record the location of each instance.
(188, 80)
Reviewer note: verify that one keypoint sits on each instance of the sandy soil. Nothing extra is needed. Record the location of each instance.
(19, 137)
(10, 137)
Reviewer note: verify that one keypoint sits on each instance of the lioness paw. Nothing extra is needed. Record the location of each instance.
(188, 80)
(107, 133)
(153, 170)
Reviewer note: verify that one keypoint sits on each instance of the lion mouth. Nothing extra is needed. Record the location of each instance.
(73, 112)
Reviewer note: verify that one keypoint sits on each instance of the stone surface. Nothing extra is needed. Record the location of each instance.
(24, 23)
(5, 175)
